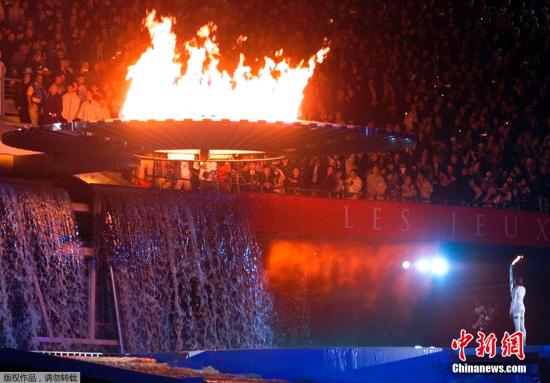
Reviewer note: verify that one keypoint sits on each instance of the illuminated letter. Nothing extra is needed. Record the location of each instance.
(480, 225)
(453, 214)
(542, 232)
(406, 225)
(347, 225)
(508, 235)
(376, 218)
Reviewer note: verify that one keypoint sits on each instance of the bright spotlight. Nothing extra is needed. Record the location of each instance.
(423, 265)
(439, 266)
(406, 264)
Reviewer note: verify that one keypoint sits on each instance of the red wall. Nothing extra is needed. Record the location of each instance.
(393, 221)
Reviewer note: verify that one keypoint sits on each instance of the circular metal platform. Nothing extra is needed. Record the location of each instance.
(120, 138)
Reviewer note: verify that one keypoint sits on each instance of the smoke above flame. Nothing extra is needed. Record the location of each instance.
(160, 90)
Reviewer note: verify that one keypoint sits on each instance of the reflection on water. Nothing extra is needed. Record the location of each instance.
(187, 270)
(344, 292)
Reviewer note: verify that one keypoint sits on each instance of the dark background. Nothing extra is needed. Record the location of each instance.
(352, 292)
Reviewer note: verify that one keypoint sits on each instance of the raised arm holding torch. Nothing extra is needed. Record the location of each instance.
(517, 291)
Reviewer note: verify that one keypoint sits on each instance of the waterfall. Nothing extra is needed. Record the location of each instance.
(39, 247)
(188, 271)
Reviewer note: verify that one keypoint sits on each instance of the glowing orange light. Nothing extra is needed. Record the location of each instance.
(159, 90)
(367, 273)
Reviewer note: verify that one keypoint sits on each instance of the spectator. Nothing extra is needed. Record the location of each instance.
(16, 14)
(279, 181)
(393, 188)
(223, 175)
(408, 190)
(376, 185)
(468, 79)
(424, 187)
(21, 100)
(267, 181)
(71, 103)
(339, 188)
(329, 182)
(66, 70)
(295, 183)
(35, 97)
(19, 58)
(524, 195)
(53, 106)
(314, 175)
(104, 112)
(354, 184)
(251, 177)
(82, 91)
(89, 109)
(184, 176)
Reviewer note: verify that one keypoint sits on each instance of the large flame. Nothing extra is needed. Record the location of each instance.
(159, 90)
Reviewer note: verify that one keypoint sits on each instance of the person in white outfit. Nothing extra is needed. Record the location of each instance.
(184, 181)
(517, 308)
(89, 109)
(71, 104)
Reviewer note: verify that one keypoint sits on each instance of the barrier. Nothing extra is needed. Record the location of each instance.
(361, 364)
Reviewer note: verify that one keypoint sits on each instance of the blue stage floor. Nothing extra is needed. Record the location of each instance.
(319, 365)
(366, 364)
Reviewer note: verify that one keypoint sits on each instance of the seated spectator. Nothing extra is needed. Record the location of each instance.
(424, 187)
(402, 172)
(465, 193)
(376, 185)
(490, 198)
(472, 97)
(505, 196)
(81, 89)
(295, 182)
(349, 164)
(524, 196)
(394, 190)
(408, 190)
(477, 192)
(354, 184)
(66, 70)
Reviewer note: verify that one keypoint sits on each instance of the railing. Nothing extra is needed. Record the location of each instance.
(8, 93)
(236, 184)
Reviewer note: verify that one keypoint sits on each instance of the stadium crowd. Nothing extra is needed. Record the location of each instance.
(466, 77)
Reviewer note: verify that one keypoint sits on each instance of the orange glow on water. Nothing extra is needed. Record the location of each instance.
(159, 90)
(366, 274)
